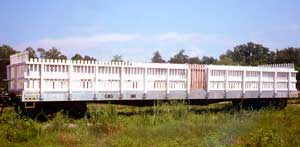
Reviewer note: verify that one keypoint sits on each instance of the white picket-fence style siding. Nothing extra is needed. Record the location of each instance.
(39, 77)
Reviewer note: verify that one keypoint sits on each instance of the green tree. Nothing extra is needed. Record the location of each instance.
(117, 58)
(180, 57)
(194, 60)
(226, 60)
(157, 58)
(208, 60)
(290, 55)
(31, 52)
(6, 51)
(89, 58)
(52, 53)
(77, 57)
(251, 54)
(42, 53)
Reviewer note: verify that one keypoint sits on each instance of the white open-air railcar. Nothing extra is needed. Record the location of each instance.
(46, 80)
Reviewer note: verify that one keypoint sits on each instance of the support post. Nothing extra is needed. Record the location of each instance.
(244, 83)
(226, 83)
(208, 83)
(188, 81)
(70, 65)
(289, 84)
(145, 82)
(42, 69)
(168, 83)
(260, 83)
(15, 78)
(121, 81)
(275, 84)
(95, 80)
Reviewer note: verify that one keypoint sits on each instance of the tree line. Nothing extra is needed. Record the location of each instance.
(245, 54)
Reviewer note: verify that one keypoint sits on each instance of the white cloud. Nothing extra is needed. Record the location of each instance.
(173, 36)
(293, 27)
(195, 39)
(81, 42)
(136, 47)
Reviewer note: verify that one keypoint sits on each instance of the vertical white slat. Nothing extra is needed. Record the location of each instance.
(289, 83)
(244, 82)
(70, 71)
(95, 80)
(275, 83)
(208, 79)
(145, 80)
(167, 81)
(121, 81)
(16, 77)
(226, 81)
(188, 80)
(260, 82)
(42, 69)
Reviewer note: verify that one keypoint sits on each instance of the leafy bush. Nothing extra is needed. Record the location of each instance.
(104, 121)
(21, 130)
(58, 122)
(264, 138)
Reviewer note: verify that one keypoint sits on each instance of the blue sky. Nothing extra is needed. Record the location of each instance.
(136, 28)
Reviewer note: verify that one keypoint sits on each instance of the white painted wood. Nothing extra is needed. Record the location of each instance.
(289, 82)
(48, 75)
(145, 80)
(42, 86)
(275, 82)
(244, 82)
(226, 80)
(70, 79)
(188, 80)
(168, 81)
(208, 80)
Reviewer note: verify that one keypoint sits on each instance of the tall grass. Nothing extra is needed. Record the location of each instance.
(165, 124)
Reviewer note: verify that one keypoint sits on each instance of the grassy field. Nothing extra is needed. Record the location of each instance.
(174, 124)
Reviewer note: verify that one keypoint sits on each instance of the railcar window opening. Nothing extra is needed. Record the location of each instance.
(83, 84)
(111, 70)
(101, 70)
(53, 84)
(27, 83)
(137, 71)
(32, 83)
(34, 68)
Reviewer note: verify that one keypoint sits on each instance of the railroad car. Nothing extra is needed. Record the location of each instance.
(69, 83)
